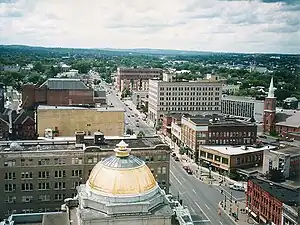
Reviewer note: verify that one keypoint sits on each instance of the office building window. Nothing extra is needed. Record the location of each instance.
(44, 186)
(26, 162)
(10, 199)
(44, 174)
(44, 198)
(158, 170)
(58, 197)
(9, 187)
(43, 162)
(60, 173)
(27, 198)
(26, 175)
(59, 161)
(27, 211)
(60, 185)
(75, 184)
(76, 173)
(164, 170)
(9, 163)
(9, 176)
(76, 160)
(27, 187)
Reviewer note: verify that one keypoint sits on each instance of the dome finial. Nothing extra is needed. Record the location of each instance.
(122, 150)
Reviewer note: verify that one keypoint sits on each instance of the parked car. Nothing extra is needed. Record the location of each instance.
(176, 158)
(173, 154)
(189, 171)
(186, 168)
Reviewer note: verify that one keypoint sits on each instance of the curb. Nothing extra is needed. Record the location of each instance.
(220, 207)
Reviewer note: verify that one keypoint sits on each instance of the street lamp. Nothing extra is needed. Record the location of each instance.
(209, 167)
(237, 211)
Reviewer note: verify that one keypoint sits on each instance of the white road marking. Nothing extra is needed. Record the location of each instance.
(221, 223)
(207, 207)
(176, 178)
(201, 210)
(193, 210)
(194, 191)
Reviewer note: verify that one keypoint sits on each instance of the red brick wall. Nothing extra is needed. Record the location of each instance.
(284, 130)
(28, 95)
(67, 97)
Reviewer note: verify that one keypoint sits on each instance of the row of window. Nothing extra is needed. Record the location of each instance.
(42, 174)
(189, 88)
(189, 103)
(189, 93)
(42, 198)
(189, 108)
(40, 186)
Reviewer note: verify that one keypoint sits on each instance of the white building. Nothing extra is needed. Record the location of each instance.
(193, 97)
(230, 88)
(242, 107)
(139, 97)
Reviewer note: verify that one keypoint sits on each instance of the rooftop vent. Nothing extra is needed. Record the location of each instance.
(79, 137)
(14, 146)
(99, 138)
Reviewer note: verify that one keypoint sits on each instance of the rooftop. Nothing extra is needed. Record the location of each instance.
(98, 109)
(241, 98)
(237, 150)
(217, 120)
(289, 118)
(65, 84)
(292, 151)
(284, 194)
(69, 143)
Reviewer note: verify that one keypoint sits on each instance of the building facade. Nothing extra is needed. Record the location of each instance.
(215, 130)
(242, 107)
(265, 200)
(59, 92)
(139, 98)
(270, 110)
(229, 159)
(38, 175)
(194, 97)
(136, 79)
(67, 120)
(290, 215)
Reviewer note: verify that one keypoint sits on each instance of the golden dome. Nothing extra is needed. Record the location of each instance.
(122, 174)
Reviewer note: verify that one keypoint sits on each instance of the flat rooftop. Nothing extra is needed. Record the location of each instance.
(292, 151)
(289, 196)
(237, 150)
(241, 98)
(217, 120)
(98, 109)
(69, 143)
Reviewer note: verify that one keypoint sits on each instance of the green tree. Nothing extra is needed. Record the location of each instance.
(141, 134)
(39, 67)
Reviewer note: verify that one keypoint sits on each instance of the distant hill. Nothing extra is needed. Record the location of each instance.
(160, 51)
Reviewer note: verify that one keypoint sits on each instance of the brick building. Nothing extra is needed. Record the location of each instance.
(60, 92)
(136, 79)
(215, 130)
(265, 200)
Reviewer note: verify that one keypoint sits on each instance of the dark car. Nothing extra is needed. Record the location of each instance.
(189, 171)
(173, 154)
(186, 168)
(176, 159)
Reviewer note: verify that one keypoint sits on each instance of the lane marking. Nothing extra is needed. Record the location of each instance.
(221, 223)
(176, 178)
(193, 210)
(194, 191)
(207, 207)
(201, 210)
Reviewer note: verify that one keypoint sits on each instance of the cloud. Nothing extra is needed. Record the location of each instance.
(208, 25)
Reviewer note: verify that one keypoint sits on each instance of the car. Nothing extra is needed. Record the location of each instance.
(189, 171)
(262, 136)
(137, 120)
(186, 168)
(132, 115)
(126, 123)
(173, 154)
(176, 158)
(137, 125)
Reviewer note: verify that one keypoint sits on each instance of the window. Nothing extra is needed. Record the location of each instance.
(59, 161)
(95, 159)
(60, 185)
(76, 160)
(44, 174)
(158, 157)
(27, 187)
(164, 157)
(60, 173)
(10, 163)
(10, 199)
(26, 175)
(44, 198)
(164, 170)
(43, 162)
(76, 173)
(75, 184)
(27, 198)
(26, 162)
(225, 161)
(158, 170)
(44, 186)
(27, 211)
(9, 176)
(58, 197)
(9, 187)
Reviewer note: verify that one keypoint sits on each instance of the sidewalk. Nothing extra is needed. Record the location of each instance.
(236, 212)
(200, 172)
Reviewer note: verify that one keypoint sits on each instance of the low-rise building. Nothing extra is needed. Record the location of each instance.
(265, 201)
(242, 107)
(229, 158)
(39, 174)
(290, 215)
(139, 98)
(65, 121)
(215, 130)
(286, 160)
(287, 121)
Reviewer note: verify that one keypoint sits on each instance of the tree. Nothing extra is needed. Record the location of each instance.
(39, 67)
(141, 134)
(129, 131)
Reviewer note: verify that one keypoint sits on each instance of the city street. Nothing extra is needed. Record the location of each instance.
(201, 199)
(132, 115)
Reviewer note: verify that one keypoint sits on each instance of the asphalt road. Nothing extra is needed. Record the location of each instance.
(201, 199)
(132, 115)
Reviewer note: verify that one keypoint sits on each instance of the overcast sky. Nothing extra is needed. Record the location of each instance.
(205, 25)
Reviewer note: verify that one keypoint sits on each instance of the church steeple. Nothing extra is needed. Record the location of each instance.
(271, 89)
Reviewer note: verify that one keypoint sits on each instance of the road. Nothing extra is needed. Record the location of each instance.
(201, 199)
(132, 115)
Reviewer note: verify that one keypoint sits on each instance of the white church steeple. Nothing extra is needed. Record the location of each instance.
(271, 89)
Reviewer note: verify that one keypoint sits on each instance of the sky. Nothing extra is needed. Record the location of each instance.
(206, 25)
